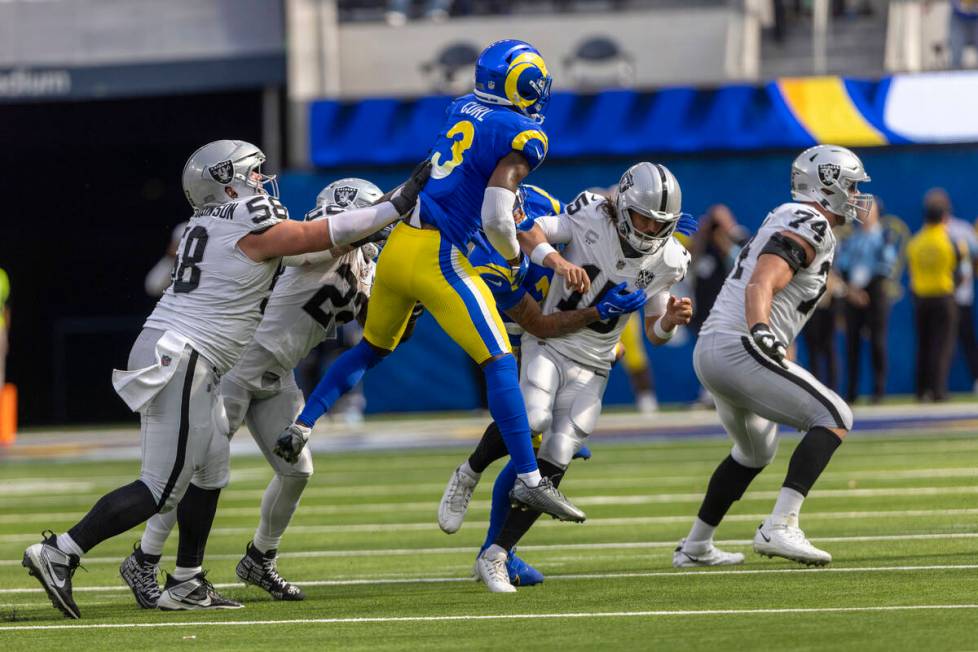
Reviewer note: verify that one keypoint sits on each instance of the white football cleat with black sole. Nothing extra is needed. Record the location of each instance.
(691, 556)
(774, 539)
(545, 498)
(140, 574)
(54, 569)
(490, 568)
(192, 595)
(455, 501)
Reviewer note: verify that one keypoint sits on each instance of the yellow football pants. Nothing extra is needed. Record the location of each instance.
(635, 359)
(421, 265)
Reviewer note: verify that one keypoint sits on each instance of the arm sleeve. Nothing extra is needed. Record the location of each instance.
(348, 227)
(557, 229)
(497, 221)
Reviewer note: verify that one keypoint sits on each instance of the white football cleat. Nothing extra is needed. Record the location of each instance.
(491, 569)
(774, 539)
(688, 557)
(455, 501)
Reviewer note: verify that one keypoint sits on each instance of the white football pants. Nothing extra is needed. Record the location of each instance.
(754, 394)
(563, 400)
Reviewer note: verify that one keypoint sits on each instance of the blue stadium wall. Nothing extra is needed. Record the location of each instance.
(431, 373)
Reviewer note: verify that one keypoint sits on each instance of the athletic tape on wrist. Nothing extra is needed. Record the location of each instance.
(661, 333)
(540, 252)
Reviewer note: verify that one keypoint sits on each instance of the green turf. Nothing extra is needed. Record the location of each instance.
(900, 512)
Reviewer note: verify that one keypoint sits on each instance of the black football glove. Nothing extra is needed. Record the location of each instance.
(768, 343)
(406, 196)
(290, 443)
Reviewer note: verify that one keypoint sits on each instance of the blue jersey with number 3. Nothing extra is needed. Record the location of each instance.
(465, 154)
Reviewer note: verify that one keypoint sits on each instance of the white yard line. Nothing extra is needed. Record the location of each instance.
(624, 545)
(577, 576)
(520, 616)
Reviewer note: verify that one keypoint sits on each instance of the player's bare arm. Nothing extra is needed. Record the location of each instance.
(770, 276)
(528, 314)
(530, 241)
(660, 328)
(782, 256)
(316, 257)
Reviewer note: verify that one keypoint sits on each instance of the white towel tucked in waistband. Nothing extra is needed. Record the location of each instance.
(139, 386)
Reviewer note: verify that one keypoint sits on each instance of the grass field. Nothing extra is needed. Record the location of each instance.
(898, 513)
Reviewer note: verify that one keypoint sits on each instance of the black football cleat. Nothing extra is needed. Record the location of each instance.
(193, 594)
(54, 569)
(260, 569)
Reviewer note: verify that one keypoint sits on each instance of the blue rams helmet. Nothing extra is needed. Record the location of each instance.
(512, 73)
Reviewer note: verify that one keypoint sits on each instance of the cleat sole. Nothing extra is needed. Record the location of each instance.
(798, 560)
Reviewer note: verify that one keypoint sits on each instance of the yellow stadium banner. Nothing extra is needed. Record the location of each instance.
(823, 107)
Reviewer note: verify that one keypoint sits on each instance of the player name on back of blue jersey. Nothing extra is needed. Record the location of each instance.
(476, 136)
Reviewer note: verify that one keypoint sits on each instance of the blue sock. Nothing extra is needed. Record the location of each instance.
(340, 378)
(509, 412)
(500, 502)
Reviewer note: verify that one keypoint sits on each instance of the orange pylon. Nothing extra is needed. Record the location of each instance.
(8, 414)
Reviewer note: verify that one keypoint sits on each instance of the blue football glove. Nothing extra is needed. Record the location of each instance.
(687, 225)
(617, 302)
(583, 453)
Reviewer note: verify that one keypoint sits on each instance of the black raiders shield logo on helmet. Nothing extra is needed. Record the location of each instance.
(626, 182)
(345, 195)
(222, 172)
(828, 173)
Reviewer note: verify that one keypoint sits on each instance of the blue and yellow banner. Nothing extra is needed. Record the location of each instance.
(786, 113)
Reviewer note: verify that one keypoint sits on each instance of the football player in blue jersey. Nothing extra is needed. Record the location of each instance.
(521, 308)
(491, 140)
(521, 311)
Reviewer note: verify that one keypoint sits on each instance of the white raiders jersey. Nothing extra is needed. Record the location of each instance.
(310, 301)
(793, 305)
(593, 244)
(216, 294)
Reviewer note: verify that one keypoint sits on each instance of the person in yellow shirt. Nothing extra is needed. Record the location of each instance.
(4, 322)
(933, 260)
